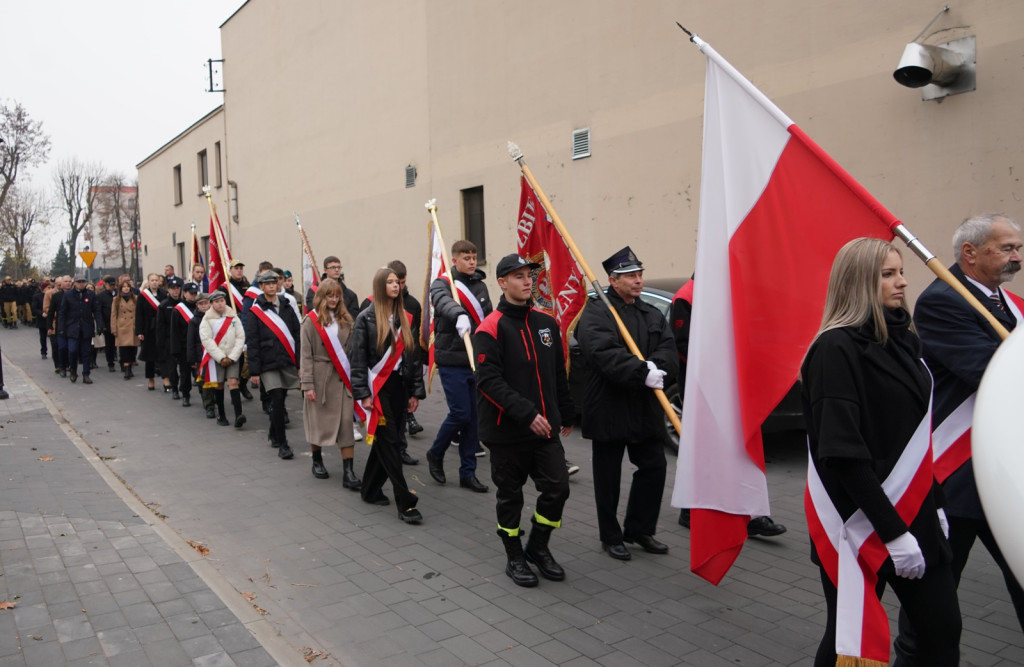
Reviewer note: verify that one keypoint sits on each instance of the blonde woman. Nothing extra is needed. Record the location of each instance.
(873, 514)
(387, 382)
(325, 380)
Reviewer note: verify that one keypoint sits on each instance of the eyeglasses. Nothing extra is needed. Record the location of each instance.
(333, 267)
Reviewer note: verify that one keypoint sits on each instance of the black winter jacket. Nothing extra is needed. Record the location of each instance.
(616, 403)
(520, 373)
(78, 315)
(105, 299)
(264, 350)
(8, 292)
(37, 309)
(194, 346)
(449, 350)
(365, 356)
(178, 339)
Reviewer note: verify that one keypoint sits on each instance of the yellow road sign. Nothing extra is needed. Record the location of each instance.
(88, 257)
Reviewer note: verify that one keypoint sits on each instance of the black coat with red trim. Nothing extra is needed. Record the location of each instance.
(520, 373)
(365, 355)
(262, 347)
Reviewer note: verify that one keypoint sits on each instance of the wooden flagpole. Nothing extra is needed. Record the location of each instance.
(517, 156)
(432, 207)
(306, 248)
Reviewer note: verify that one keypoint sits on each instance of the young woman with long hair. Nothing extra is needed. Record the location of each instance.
(387, 381)
(874, 514)
(325, 380)
(122, 322)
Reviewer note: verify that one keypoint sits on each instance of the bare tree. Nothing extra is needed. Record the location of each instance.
(116, 208)
(22, 211)
(76, 184)
(22, 144)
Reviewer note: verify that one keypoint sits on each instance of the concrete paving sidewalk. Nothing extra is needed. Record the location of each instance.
(301, 566)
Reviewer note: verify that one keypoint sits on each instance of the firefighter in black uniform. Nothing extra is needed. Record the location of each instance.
(181, 316)
(523, 406)
(166, 361)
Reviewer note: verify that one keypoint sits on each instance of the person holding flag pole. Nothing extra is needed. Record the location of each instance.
(197, 268)
(460, 303)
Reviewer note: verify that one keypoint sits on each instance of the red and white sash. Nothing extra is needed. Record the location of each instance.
(184, 311)
(280, 329)
(951, 440)
(236, 297)
(207, 366)
(329, 336)
(851, 552)
(150, 297)
(467, 300)
(379, 374)
(253, 292)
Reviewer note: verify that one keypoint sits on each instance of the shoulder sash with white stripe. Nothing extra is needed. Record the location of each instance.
(335, 350)
(207, 366)
(184, 311)
(150, 298)
(379, 374)
(274, 322)
(851, 552)
(467, 300)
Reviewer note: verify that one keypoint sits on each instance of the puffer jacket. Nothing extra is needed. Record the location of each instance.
(449, 350)
(264, 350)
(231, 345)
(364, 356)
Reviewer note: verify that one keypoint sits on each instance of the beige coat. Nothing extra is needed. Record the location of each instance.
(122, 321)
(327, 420)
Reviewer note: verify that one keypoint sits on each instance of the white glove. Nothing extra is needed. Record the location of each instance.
(462, 325)
(651, 365)
(655, 378)
(944, 522)
(906, 556)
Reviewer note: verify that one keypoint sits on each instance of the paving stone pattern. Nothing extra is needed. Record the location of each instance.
(350, 580)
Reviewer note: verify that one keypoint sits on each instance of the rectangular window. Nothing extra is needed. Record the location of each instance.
(473, 220)
(182, 260)
(177, 184)
(218, 181)
(203, 170)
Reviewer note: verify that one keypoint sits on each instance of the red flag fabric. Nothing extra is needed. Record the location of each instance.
(559, 288)
(774, 211)
(220, 255)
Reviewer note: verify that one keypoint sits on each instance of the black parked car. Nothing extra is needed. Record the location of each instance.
(787, 416)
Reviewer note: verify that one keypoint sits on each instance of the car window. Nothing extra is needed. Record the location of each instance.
(658, 301)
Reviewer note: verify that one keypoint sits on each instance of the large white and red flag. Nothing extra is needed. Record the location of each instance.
(559, 288)
(220, 255)
(435, 269)
(774, 211)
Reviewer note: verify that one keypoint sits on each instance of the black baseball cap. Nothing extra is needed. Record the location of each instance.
(510, 263)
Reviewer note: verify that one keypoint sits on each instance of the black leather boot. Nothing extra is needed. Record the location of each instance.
(517, 569)
(319, 471)
(348, 476)
(537, 553)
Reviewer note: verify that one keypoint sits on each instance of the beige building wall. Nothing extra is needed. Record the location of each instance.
(165, 217)
(327, 102)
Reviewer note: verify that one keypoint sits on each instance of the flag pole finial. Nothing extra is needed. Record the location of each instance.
(431, 205)
(514, 152)
(297, 221)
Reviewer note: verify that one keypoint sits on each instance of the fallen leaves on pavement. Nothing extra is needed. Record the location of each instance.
(45, 458)
(311, 654)
(201, 548)
(7, 605)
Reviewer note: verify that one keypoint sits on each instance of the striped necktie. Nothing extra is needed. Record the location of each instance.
(994, 297)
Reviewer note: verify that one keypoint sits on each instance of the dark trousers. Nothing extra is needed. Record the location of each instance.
(59, 346)
(645, 492)
(962, 534)
(169, 370)
(127, 354)
(149, 368)
(513, 464)
(277, 428)
(80, 349)
(109, 348)
(931, 606)
(385, 461)
(42, 341)
(184, 372)
(460, 425)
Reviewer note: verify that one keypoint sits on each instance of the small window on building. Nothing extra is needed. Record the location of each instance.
(203, 170)
(176, 184)
(581, 143)
(217, 181)
(473, 220)
(410, 176)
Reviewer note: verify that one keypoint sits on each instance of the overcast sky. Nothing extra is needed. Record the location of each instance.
(111, 80)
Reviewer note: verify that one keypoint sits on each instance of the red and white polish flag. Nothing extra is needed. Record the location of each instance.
(774, 211)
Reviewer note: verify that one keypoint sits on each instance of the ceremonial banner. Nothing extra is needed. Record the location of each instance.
(559, 285)
(196, 257)
(774, 211)
(220, 255)
(435, 269)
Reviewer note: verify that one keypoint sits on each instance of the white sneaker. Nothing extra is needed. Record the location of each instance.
(571, 468)
(356, 433)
